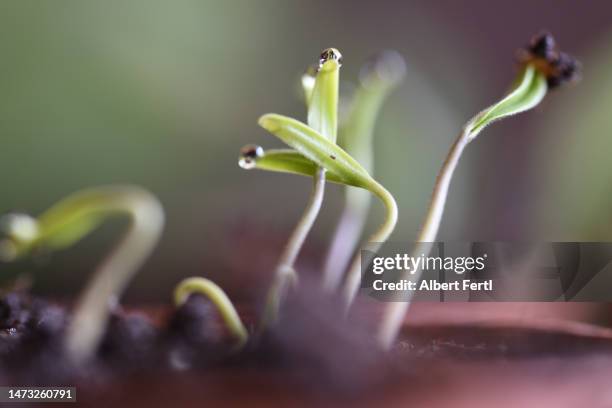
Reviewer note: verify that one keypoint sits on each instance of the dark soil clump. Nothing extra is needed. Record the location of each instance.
(312, 348)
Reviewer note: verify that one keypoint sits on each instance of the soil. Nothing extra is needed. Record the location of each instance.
(312, 357)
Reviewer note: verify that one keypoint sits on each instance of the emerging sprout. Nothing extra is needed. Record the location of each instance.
(544, 66)
(330, 156)
(378, 77)
(218, 297)
(321, 91)
(290, 161)
(315, 153)
(67, 222)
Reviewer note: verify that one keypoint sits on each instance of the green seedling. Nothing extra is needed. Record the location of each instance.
(312, 152)
(378, 77)
(218, 297)
(321, 93)
(543, 68)
(339, 165)
(66, 223)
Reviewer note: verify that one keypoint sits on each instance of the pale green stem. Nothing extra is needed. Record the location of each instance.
(218, 297)
(285, 271)
(346, 236)
(353, 278)
(91, 314)
(393, 316)
(357, 137)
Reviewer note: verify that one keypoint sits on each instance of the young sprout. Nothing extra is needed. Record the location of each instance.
(321, 91)
(543, 67)
(218, 297)
(321, 152)
(378, 78)
(68, 221)
(313, 151)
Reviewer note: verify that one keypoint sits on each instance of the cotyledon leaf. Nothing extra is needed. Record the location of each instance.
(529, 90)
(290, 161)
(316, 147)
(217, 296)
(323, 100)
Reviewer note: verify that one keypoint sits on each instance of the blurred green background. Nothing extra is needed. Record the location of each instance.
(163, 94)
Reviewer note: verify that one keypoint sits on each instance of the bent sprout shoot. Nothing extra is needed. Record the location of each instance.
(542, 66)
(335, 160)
(377, 79)
(218, 297)
(67, 222)
(321, 93)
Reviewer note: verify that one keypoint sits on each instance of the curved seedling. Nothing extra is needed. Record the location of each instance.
(377, 79)
(70, 220)
(314, 146)
(321, 92)
(218, 297)
(330, 156)
(543, 66)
